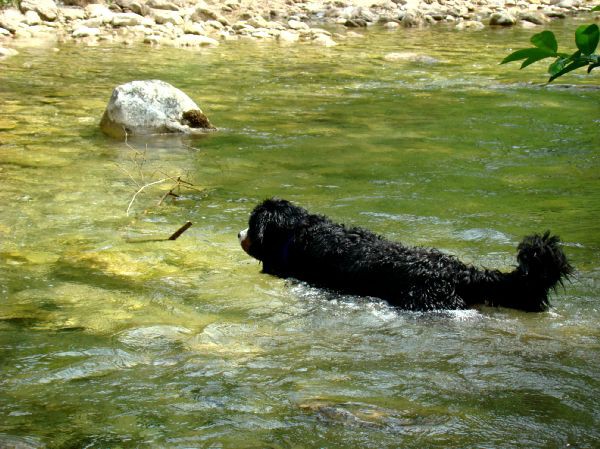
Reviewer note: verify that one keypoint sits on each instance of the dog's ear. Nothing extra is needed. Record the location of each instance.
(272, 223)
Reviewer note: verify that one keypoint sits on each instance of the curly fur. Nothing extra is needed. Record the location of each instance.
(290, 242)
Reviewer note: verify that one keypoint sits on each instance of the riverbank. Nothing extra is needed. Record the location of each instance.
(185, 23)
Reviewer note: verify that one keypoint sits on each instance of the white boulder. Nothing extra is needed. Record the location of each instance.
(151, 107)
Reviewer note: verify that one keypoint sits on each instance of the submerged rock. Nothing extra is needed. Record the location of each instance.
(158, 337)
(469, 25)
(152, 107)
(6, 52)
(408, 56)
(18, 442)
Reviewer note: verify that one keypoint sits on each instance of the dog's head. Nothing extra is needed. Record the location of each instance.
(270, 230)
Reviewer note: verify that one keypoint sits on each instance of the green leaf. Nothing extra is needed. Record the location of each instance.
(557, 66)
(545, 41)
(531, 55)
(563, 60)
(596, 8)
(573, 66)
(587, 37)
(536, 54)
(517, 55)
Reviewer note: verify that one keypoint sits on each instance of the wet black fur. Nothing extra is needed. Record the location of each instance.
(290, 242)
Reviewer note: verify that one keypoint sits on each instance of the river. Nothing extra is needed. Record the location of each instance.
(113, 338)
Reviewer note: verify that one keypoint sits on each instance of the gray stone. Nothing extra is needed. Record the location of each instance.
(72, 13)
(215, 24)
(412, 18)
(96, 10)
(153, 40)
(288, 37)
(94, 22)
(195, 40)
(258, 22)
(127, 19)
(470, 25)
(47, 9)
(502, 18)
(324, 40)
(162, 4)
(32, 18)
(274, 25)
(297, 25)
(554, 13)
(163, 16)
(527, 25)
(151, 107)
(203, 13)
(135, 6)
(534, 17)
(193, 28)
(10, 19)
(316, 31)
(567, 4)
(261, 33)
(85, 32)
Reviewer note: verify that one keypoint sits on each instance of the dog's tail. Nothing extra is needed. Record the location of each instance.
(542, 267)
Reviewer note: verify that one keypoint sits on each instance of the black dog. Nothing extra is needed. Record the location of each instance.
(290, 242)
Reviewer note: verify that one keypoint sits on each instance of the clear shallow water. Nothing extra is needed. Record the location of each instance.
(109, 339)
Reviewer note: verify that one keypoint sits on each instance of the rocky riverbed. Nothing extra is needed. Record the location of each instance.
(189, 23)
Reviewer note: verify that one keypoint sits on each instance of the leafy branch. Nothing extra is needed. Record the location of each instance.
(546, 46)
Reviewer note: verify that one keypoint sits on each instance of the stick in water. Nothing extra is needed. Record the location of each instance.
(180, 231)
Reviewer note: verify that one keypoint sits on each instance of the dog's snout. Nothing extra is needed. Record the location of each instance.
(244, 240)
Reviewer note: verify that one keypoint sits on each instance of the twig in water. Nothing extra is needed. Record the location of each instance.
(169, 193)
(140, 190)
(180, 231)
